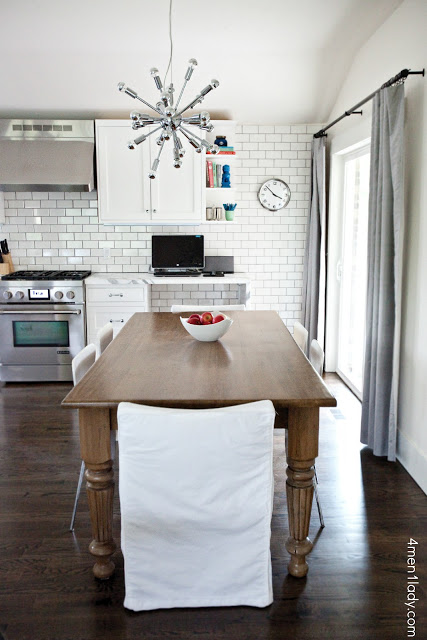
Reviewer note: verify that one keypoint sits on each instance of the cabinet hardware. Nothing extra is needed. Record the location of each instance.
(115, 295)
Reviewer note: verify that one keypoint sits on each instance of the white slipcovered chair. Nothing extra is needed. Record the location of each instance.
(301, 336)
(317, 358)
(182, 308)
(103, 338)
(196, 499)
(80, 365)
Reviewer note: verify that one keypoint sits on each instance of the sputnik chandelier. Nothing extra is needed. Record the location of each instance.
(170, 120)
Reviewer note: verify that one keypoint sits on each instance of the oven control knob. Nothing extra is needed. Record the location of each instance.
(58, 295)
(70, 295)
(19, 295)
(7, 295)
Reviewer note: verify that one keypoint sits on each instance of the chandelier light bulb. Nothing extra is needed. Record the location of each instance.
(169, 120)
(155, 74)
(191, 64)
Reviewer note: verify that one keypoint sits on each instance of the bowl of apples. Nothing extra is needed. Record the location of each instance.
(208, 326)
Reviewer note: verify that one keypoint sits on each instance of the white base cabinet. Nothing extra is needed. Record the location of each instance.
(125, 193)
(115, 304)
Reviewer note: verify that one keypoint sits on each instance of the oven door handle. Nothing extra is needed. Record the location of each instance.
(44, 312)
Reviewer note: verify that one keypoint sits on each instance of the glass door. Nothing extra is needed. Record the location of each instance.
(352, 269)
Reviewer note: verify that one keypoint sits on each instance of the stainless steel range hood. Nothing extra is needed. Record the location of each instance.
(47, 155)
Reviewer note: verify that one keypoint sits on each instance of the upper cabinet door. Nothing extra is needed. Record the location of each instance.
(177, 194)
(123, 183)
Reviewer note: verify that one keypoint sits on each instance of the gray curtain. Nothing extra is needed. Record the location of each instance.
(313, 259)
(385, 245)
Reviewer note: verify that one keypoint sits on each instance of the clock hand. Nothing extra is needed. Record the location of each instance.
(274, 194)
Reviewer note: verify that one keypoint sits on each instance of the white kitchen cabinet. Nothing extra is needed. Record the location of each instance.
(115, 304)
(125, 193)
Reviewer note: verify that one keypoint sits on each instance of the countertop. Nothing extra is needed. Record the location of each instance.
(97, 279)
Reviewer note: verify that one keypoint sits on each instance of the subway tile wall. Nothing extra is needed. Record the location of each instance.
(61, 231)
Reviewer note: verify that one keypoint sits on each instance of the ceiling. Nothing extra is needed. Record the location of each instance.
(278, 61)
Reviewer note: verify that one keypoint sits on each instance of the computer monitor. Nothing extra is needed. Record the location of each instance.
(177, 252)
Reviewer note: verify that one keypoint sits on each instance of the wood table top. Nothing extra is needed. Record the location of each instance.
(154, 361)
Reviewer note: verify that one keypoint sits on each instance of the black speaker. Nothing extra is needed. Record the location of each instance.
(219, 264)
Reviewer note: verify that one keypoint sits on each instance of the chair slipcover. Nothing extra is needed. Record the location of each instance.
(300, 336)
(317, 357)
(82, 362)
(103, 338)
(196, 495)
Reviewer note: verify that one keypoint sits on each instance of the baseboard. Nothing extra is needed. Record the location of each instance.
(414, 460)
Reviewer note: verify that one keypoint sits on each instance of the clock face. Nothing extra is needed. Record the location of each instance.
(274, 194)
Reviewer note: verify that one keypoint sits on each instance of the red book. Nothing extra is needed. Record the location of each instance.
(210, 173)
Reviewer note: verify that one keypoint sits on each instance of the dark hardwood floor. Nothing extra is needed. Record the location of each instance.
(356, 586)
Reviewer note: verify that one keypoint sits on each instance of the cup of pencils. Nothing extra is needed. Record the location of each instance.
(229, 211)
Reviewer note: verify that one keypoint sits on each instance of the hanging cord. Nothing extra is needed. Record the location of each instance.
(171, 43)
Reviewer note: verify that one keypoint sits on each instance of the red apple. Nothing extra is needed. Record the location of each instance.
(195, 315)
(218, 318)
(194, 320)
(206, 317)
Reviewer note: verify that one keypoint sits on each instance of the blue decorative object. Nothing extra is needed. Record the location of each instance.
(225, 182)
(221, 141)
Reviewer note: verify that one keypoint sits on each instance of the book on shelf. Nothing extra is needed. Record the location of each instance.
(213, 174)
(209, 167)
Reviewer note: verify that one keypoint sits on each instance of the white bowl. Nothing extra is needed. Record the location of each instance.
(208, 332)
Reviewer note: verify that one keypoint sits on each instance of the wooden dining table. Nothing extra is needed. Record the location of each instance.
(154, 361)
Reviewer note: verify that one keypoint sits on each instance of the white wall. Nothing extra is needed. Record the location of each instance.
(272, 59)
(61, 231)
(400, 43)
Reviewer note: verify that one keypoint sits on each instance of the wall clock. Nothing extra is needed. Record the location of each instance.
(274, 194)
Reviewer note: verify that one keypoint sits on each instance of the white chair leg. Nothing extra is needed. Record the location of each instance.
(76, 499)
(316, 493)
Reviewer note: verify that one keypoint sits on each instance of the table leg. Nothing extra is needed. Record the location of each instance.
(96, 453)
(303, 442)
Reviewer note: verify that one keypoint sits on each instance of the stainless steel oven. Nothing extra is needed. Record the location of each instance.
(42, 327)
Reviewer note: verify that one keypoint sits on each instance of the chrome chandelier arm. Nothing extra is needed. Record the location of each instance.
(142, 138)
(133, 94)
(191, 64)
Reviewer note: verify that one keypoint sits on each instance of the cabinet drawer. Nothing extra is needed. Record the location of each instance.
(97, 318)
(116, 294)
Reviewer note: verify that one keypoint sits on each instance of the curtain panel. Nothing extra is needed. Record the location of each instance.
(384, 286)
(314, 257)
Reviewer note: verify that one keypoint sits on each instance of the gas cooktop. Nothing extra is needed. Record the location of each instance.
(47, 275)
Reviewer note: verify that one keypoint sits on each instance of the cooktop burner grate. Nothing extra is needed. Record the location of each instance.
(47, 275)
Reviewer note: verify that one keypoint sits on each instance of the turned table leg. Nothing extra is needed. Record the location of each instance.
(303, 440)
(96, 453)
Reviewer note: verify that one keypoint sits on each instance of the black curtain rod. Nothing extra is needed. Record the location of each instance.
(401, 76)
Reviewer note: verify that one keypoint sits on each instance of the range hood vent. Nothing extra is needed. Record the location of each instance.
(47, 155)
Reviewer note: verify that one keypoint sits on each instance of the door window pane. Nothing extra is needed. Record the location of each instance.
(351, 340)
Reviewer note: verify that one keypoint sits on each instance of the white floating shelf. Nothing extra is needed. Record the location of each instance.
(220, 156)
(220, 188)
(219, 222)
